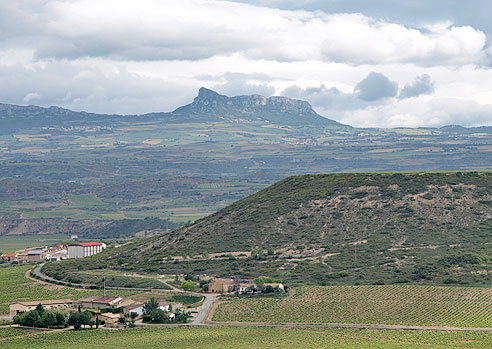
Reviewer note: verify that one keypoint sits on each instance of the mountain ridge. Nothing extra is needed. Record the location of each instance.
(208, 105)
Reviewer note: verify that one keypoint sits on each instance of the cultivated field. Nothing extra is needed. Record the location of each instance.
(396, 305)
(14, 286)
(251, 337)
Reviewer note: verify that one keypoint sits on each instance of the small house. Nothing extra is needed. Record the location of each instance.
(99, 302)
(21, 307)
(245, 287)
(164, 306)
(35, 256)
(110, 318)
(9, 257)
(221, 286)
(136, 308)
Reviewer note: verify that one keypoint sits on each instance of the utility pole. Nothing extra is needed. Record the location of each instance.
(104, 283)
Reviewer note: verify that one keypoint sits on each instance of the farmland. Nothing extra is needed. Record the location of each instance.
(251, 337)
(396, 305)
(14, 286)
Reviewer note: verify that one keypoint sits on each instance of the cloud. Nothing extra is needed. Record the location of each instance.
(421, 86)
(421, 112)
(375, 86)
(153, 30)
(92, 87)
(244, 84)
(31, 96)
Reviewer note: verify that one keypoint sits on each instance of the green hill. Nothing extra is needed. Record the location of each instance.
(334, 229)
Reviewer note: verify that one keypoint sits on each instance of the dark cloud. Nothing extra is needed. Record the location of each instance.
(375, 86)
(423, 85)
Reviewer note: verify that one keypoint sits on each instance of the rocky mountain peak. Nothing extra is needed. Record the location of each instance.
(211, 101)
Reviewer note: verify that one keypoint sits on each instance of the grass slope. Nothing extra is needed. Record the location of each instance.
(392, 305)
(252, 337)
(370, 228)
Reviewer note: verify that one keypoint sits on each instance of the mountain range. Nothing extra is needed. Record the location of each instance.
(208, 106)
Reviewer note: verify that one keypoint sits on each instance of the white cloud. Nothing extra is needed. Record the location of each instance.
(31, 96)
(135, 57)
(197, 29)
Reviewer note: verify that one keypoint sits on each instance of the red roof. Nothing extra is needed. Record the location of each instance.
(86, 244)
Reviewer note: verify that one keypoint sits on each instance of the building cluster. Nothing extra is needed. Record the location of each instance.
(111, 310)
(243, 286)
(53, 253)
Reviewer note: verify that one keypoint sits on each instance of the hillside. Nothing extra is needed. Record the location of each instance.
(336, 228)
(63, 171)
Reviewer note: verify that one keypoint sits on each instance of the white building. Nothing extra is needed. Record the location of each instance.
(84, 249)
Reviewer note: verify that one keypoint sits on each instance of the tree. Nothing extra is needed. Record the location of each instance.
(156, 316)
(60, 318)
(48, 319)
(31, 319)
(78, 319)
(188, 285)
(263, 280)
(40, 309)
(150, 306)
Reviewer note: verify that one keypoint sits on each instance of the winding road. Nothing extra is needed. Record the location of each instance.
(197, 321)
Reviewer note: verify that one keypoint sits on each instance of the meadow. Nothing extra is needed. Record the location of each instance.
(250, 337)
(14, 286)
(395, 305)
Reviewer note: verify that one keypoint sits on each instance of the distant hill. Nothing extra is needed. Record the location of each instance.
(340, 228)
(208, 106)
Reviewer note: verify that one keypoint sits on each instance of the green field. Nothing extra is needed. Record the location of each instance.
(252, 337)
(14, 286)
(12, 243)
(396, 305)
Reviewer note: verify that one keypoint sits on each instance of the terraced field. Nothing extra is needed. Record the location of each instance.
(395, 305)
(14, 286)
(251, 337)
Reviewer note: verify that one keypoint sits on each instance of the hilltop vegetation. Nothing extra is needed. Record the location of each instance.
(368, 228)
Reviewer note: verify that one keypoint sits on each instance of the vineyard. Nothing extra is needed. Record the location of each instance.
(14, 286)
(395, 305)
(250, 337)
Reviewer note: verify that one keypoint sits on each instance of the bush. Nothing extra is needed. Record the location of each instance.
(188, 285)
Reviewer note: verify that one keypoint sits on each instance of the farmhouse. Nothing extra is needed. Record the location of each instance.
(35, 256)
(136, 308)
(84, 249)
(9, 257)
(98, 302)
(110, 318)
(20, 307)
(276, 285)
(164, 306)
(221, 286)
(243, 288)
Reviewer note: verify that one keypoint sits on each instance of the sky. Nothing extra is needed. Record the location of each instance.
(379, 63)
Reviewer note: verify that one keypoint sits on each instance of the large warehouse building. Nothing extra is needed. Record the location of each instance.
(84, 249)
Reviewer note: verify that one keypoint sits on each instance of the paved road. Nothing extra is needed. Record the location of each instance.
(202, 315)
